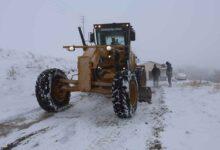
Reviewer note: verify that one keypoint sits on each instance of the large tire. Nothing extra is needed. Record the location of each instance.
(48, 92)
(125, 95)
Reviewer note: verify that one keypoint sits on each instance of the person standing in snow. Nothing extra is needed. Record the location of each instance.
(156, 75)
(169, 73)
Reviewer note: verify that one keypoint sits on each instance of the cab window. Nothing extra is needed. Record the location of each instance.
(110, 36)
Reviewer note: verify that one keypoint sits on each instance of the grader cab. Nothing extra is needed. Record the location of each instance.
(107, 66)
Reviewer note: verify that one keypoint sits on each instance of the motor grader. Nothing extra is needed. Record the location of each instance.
(107, 66)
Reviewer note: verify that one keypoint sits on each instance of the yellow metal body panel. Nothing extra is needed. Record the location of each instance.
(84, 71)
(94, 55)
(132, 61)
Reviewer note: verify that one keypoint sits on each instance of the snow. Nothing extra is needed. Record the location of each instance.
(18, 74)
(194, 120)
(185, 116)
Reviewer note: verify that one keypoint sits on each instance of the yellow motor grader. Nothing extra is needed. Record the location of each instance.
(107, 66)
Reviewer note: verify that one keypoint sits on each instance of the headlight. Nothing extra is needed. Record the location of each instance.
(109, 48)
(71, 48)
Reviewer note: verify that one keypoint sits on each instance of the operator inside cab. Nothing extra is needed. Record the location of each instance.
(114, 41)
(110, 36)
(113, 34)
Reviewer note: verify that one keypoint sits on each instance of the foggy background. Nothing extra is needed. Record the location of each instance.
(186, 33)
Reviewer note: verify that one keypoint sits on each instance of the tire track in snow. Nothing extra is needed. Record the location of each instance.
(26, 120)
(23, 138)
(21, 123)
(158, 112)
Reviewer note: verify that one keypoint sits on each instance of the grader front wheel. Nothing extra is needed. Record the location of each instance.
(49, 93)
(125, 96)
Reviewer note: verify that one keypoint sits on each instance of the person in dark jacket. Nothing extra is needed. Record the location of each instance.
(169, 73)
(156, 75)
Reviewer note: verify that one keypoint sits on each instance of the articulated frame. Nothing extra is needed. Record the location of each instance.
(88, 62)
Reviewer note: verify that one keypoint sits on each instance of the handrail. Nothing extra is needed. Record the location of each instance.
(73, 47)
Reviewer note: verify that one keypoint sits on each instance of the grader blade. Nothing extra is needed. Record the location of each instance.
(145, 94)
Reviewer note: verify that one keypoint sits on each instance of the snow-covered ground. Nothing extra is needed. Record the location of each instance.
(18, 74)
(183, 117)
(193, 122)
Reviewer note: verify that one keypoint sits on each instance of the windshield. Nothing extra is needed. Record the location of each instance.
(110, 36)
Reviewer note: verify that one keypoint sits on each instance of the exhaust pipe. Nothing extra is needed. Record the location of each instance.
(82, 37)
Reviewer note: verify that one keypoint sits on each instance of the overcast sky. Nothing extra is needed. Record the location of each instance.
(181, 31)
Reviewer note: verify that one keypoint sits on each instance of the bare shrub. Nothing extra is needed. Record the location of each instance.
(11, 74)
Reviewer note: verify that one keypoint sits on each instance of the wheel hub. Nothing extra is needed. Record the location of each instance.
(57, 92)
(133, 93)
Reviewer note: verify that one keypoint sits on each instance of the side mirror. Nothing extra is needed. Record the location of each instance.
(132, 35)
(91, 37)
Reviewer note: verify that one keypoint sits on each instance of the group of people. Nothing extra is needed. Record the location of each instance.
(156, 74)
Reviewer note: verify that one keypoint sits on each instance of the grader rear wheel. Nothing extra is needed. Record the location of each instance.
(48, 90)
(125, 95)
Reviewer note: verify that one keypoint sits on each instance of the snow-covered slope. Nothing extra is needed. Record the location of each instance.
(18, 73)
